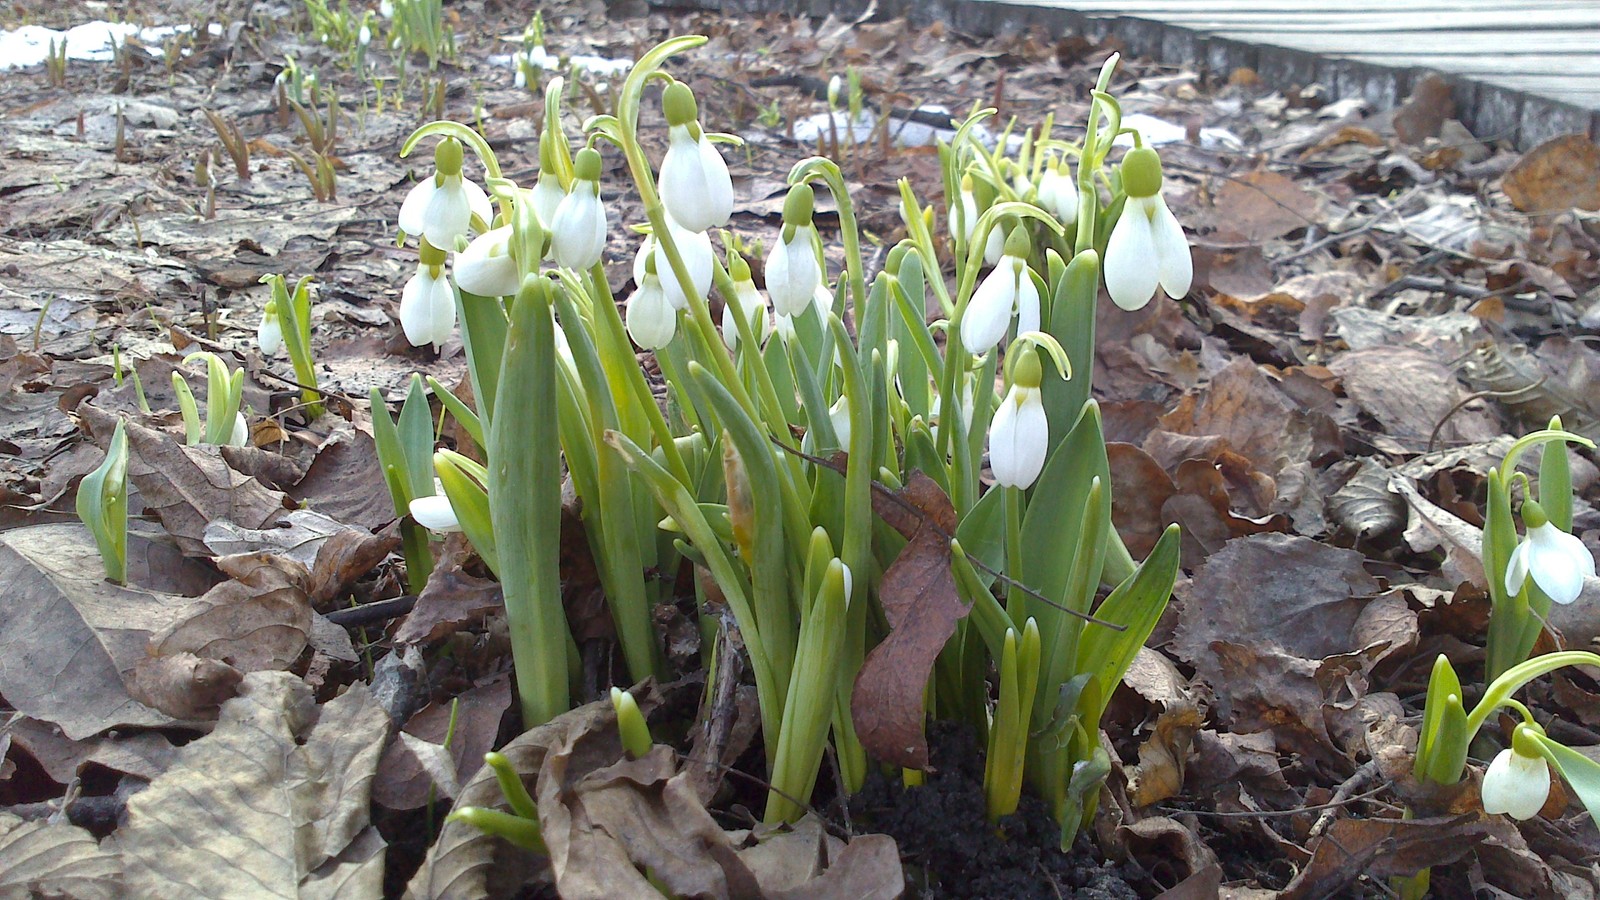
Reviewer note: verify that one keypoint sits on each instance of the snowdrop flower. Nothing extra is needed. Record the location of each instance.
(1518, 781)
(486, 267)
(652, 321)
(386, 9)
(1147, 247)
(1019, 434)
(839, 417)
(994, 246)
(793, 272)
(269, 334)
(364, 36)
(1058, 193)
(241, 431)
(748, 300)
(441, 208)
(547, 196)
(1557, 561)
(1008, 289)
(695, 186)
(578, 228)
(694, 248)
(435, 513)
(428, 302)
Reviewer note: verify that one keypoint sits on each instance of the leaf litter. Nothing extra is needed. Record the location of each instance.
(1379, 297)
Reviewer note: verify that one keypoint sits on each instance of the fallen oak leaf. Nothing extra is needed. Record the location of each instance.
(922, 605)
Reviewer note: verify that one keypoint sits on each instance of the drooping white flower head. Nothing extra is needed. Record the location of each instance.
(652, 321)
(1518, 780)
(793, 271)
(1007, 290)
(435, 513)
(547, 197)
(428, 302)
(1058, 193)
(1019, 433)
(578, 228)
(441, 208)
(694, 247)
(695, 185)
(269, 334)
(241, 431)
(1557, 561)
(967, 212)
(748, 299)
(486, 267)
(1147, 247)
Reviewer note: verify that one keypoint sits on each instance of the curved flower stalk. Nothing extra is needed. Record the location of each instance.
(1008, 290)
(695, 185)
(1147, 247)
(793, 272)
(441, 208)
(428, 302)
(578, 229)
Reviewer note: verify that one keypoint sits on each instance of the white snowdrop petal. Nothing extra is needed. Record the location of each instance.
(578, 234)
(695, 185)
(486, 268)
(478, 201)
(241, 431)
(1027, 300)
(1131, 268)
(1515, 785)
(988, 313)
(448, 215)
(269, 336)
(792, 274)
(412, 210)
(435, 514)
(1558, 562)
(547, 197)
(441, 312)
(651, 320)
(1517, 569)
(1018, 436)
(995, 246)
(415, 318)
(839, 418)
(1172, 249)
(694, 247)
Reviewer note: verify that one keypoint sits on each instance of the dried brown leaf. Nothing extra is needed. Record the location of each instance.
(40, 859)
(190, 487)
(404, 777)
(1557, 175)
(276, 797)
(1381, 848)
(1259, 206)
(922, 604)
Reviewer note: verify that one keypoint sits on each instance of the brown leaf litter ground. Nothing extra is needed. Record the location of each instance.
(1379, 300)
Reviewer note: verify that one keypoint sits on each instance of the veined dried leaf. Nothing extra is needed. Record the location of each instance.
(276, 797)
(55, 860)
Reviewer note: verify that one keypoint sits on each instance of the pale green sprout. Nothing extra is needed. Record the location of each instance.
(405, 454)
(630, 723)
(292, 312)
(103, 506)
(224, 424)
(521, 825)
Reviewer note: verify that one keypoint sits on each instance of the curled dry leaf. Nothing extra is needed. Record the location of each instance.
(276, 797)
(1381, 848)
(922, 604)
(189, 487)
(1557, 175)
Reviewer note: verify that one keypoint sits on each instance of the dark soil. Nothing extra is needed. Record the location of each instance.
(950, 850)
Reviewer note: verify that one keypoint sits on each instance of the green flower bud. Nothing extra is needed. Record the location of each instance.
(678, 104)
(1141, 172)
(428, 254)
(447, 157)
(1017, 243)
(799, 205)
(1026, 371)
(1533, 515)
(587, 165)
(738, 269)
